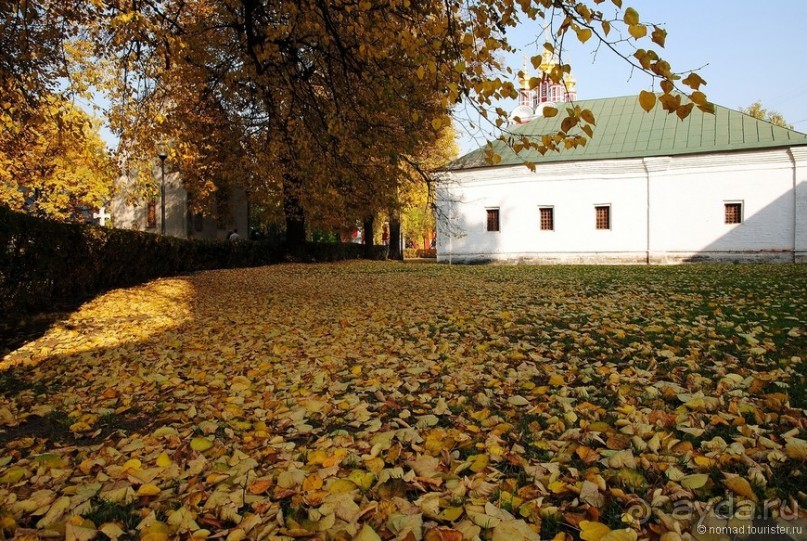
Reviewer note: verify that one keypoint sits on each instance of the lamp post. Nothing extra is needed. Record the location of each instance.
(162, 154)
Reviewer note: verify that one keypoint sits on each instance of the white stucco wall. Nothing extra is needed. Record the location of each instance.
(688, 197)
(663, 210)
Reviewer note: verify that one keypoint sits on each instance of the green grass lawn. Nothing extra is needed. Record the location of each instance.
(385, 400)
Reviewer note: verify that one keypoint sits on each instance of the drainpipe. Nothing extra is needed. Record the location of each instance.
(450, 238)
(647, 211)
(795, 202)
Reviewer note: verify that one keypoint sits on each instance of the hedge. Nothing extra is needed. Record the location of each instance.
(45, 263)
(412, 253)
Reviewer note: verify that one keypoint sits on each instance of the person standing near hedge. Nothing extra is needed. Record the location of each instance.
(234, 236)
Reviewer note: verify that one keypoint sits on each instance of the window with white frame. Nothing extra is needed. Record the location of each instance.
(547, 215)
(733, 212)
(493, 219)
(602, 216)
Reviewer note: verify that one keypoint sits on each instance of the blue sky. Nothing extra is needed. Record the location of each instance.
(745, 50)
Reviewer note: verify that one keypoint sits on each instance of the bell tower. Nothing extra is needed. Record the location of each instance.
(540, 89)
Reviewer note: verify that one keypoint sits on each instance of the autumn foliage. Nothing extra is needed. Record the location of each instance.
(499, 403)
(323, 109)
(54, 164)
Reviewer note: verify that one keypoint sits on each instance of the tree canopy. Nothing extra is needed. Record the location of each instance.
(55, 164)
(327, 106)
(757, 111)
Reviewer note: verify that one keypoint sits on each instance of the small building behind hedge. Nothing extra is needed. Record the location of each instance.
(647, 188)
(145, 215)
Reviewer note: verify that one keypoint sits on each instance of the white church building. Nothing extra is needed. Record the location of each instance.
(646, 188)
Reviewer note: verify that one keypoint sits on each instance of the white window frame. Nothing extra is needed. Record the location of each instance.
(610, 217)
(549, 207)
(498, 219)
(742, 211)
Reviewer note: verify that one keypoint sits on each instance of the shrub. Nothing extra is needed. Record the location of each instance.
(45, 263)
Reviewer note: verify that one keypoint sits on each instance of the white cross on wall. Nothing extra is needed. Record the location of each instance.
(102, 216)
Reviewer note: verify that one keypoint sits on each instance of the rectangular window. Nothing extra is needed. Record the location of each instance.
(493, 219)
(547, 218)
(151, 218)
(603, 216)
(734, 213)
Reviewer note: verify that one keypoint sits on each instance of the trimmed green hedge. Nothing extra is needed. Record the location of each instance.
(45, 263)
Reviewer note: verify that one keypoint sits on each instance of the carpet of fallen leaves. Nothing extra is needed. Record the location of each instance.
(380, 400)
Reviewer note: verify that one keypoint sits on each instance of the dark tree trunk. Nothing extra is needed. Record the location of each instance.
(294, 213)
(368, 237)
(395, 248)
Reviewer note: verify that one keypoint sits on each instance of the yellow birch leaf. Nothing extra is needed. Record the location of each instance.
(201, 444)
(375, 464)
(111, 530)
(55, 512)
(631, 16)
(558, 487)
(699, 98)
(593, 531)
(450, 514)
(694, 481)
(362, 479)
(647, 100)
(259, 486)
(796, 448)
(741, 487)
(79, 532)
(237, 535)
(164, 460)
(638, 31)
(312, 482)
(165, 431)
(479, 462)
(584, 34)
(13, 475)
(693, 81)
(367, 533)
(149, 489)
(682, 113)
(659, 36)
(340, 486)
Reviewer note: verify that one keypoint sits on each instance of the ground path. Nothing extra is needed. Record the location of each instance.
(411, 402)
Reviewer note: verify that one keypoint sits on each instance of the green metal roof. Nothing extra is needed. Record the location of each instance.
(625, 130)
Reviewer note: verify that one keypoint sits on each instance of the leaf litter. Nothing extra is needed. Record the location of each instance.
(384, 401)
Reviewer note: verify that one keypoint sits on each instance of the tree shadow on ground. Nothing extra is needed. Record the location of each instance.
(20, 329)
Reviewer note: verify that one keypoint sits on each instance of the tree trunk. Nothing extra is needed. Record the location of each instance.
(368, 237)
(294, 213)
(395, 248)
